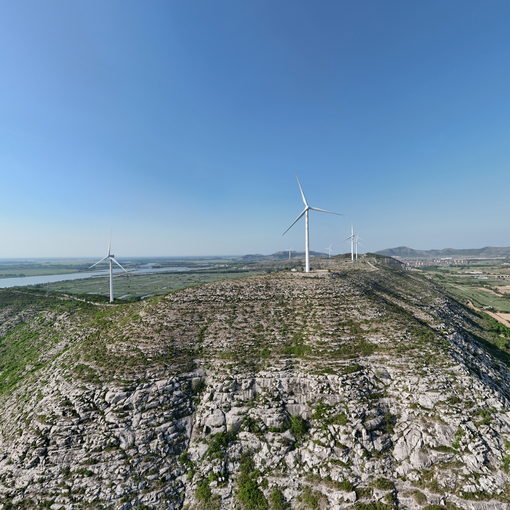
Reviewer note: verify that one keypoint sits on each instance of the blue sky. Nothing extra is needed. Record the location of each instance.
(181, 126)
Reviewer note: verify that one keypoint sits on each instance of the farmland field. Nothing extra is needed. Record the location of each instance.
(144, 285)
(483, 284)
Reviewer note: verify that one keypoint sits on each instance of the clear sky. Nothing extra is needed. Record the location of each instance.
(181, 125)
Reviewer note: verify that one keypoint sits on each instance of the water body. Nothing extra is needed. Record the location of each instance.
(50, 278)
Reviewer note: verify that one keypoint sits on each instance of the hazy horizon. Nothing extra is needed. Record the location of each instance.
(234, 255)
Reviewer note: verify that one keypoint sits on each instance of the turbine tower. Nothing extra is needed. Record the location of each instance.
(356, 242)
(111, 259)
(352, 238)
(329, 248)
(306, 214)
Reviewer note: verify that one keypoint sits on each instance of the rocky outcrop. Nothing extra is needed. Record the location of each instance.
(344, 390)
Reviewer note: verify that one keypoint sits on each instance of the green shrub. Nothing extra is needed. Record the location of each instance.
(207, 500)
(485, 416)
(299, 427)
(323, 413)
(384, 484)
(459, 434)
(506, 463)
(296, 346)
(249, 494)
(310, 498)
(419, 497)
(203, 492)
(373, 506)
(277, 500)
(219, 443)
(345, 485)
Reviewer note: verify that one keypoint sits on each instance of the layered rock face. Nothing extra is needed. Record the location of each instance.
(362, 387)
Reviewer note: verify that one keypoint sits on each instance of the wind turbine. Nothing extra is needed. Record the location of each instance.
(352, 238)
(290, 253)
(356, 242)
(306, 213)
(111, 259)
(329, 248)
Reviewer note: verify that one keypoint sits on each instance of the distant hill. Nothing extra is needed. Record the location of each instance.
(409, 253)
(281, 255)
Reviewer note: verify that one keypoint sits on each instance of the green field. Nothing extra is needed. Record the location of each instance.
(476, 283)
(137, 286)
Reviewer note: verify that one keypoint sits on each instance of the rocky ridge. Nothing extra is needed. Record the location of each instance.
(358, 387)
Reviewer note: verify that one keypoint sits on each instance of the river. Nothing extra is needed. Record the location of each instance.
(50, 278)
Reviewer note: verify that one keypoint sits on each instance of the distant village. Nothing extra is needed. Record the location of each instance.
(451, 261)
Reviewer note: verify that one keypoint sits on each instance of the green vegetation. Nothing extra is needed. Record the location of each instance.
(26, 345)
(373, 506)
(248, 492)
(323, 413)
(310, 498)
(485, 416)
(384, 484)
(482, 285)
(299, 427)
(506, 457)
(344, 485)
(277, 500)
(419, 497)
(457, 438)
(207, 500)
(132, 287)
(218, 443)
(296, 346)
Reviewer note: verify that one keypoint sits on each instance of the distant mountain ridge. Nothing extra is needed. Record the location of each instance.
(281, 255)
(410, 253)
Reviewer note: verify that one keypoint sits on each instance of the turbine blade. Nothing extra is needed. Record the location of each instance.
(294, 222)
(99, 261)
(116, 262)
(302, 194)
(324, 210)
(347, 238)
(121, 275)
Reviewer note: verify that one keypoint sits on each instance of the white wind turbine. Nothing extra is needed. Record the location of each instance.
(306, 213)
(356, 242)
(329, 248)
(111, 259)
(352, 238)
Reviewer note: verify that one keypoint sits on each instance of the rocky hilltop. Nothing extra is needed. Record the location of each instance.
(361, 386)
